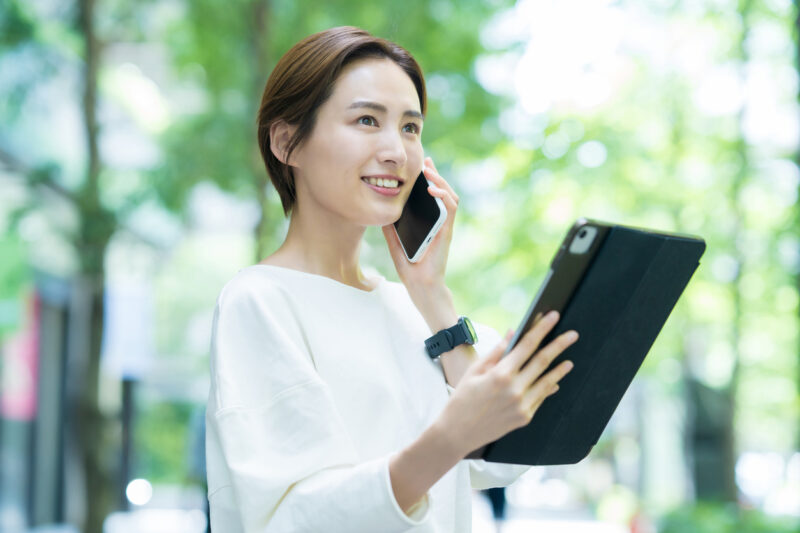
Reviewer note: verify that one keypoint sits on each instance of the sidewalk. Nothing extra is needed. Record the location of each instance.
(194, 521)
(483, 522)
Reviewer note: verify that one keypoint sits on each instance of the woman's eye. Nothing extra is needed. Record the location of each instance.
(411, 128)
(368, 121)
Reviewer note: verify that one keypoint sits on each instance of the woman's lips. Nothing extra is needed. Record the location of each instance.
(386, 191)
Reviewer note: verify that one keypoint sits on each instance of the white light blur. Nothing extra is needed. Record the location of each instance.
(561, 209)
(789, 251)
(579, 55)
(592, 154)
(555, 145)
(719, 363)
(481, 177)
(495, 72)
(757, 474)
(157, 521)
(139, 491)
(139, 95)
(783, 176)
(770, 116)
(720, 91)
(724, 268)
(569, 59)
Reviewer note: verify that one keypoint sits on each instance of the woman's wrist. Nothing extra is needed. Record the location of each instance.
(437, 308)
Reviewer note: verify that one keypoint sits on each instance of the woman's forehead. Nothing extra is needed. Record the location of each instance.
(379, 80)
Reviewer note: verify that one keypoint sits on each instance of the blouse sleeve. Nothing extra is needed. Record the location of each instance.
(291, 463)
(483, 474)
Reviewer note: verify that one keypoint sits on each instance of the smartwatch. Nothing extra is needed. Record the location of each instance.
(447, 339)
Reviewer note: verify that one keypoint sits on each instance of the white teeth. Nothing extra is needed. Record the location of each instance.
(380, 182)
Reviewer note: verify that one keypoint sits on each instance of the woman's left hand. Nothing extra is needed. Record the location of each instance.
(428, 272)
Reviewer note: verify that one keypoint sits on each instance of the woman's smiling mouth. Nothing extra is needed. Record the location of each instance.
(385, 186)
(389, 183)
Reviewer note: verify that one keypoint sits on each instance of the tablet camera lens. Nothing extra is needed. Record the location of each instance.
(583, 240)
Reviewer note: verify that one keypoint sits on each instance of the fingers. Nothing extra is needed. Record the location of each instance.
(544, 387)
(529, 342)
(432, 174)
(450, 204)
(544, 357)
(497, 352)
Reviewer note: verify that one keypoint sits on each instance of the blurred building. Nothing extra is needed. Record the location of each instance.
(34, 429)
(42, 363)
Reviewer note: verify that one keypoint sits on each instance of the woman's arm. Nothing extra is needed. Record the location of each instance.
(437, 308)
(424, 280)
(415, 469)
(494, 396)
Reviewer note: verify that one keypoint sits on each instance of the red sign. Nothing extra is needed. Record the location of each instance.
(19, 370)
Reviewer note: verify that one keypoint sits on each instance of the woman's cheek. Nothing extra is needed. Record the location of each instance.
(416, 156)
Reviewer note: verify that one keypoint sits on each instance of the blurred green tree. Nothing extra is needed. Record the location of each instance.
(48, 42)
(647, 155)
(673, 145)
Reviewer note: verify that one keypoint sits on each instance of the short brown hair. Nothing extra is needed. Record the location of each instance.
(303, 80)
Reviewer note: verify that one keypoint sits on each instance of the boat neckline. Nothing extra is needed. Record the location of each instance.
(380, 278)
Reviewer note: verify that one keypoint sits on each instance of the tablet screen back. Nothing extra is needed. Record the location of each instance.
(617, 294)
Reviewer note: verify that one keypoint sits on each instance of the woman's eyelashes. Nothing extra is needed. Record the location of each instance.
(412, 128)
(367, 120)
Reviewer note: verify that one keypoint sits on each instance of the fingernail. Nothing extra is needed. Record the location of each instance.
(569, 365)
(572, 336)
(552, 315)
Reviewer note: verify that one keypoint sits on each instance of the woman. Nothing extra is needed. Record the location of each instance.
(325, 412)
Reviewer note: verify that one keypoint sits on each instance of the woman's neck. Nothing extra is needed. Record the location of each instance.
(330, 250)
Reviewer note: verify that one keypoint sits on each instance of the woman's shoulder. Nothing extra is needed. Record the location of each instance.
(251, 284)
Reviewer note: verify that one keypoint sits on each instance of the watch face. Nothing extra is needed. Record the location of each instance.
(471, 330)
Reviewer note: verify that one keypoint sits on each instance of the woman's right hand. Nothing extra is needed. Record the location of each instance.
(498, 394)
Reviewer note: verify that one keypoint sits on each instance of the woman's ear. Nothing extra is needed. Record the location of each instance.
(280, 134)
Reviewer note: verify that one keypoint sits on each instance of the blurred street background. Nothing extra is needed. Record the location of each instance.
(131, 190)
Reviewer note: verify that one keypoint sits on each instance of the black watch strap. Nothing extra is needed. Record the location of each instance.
(447, 339)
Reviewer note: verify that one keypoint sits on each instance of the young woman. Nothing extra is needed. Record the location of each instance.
(326, 413)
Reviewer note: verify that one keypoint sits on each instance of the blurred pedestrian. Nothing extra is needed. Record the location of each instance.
(497, 498)
(195, 456)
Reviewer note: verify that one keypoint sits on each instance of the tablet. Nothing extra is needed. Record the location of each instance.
(615, 286)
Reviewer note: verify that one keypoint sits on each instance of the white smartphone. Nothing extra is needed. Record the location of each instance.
(422, 217)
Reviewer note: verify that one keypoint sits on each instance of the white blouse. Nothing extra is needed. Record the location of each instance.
(314, 385)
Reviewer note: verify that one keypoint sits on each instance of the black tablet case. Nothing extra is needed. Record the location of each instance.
(630, 287)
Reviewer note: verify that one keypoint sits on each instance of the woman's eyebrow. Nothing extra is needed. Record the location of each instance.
(382, 108)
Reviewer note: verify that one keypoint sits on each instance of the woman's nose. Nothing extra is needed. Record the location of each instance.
(392, 149)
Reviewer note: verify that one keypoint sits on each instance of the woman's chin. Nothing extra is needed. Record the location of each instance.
(386, 219)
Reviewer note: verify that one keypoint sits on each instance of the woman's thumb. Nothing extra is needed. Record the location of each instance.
(497, 352)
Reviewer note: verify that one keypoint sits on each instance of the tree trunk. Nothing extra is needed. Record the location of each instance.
(95, 432)
(260, 52)
(712, 434)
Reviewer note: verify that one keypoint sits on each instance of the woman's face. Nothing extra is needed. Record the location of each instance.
(368, 129)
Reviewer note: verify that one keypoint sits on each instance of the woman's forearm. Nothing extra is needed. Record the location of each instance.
(415, 469)
(436, 306)
(456, 361)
